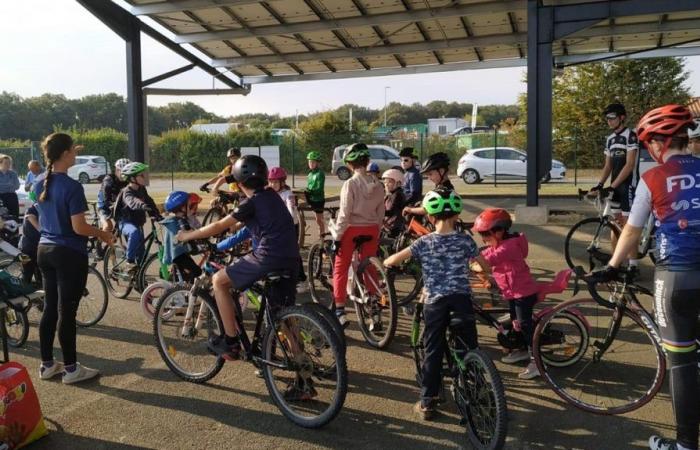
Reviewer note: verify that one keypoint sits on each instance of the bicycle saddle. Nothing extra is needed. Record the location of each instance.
(278, 275)
(361, 239)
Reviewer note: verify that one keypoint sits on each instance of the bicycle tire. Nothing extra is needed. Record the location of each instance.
(597, 257)
(638, 363)
(118, 283)
(147, 273)
(478, 369)
(336, 379)
(331, 320)
(213, 215)
(376, 305)
(12, 266)
(167, 351)
(150, 296)
(17, 327)
(417, 345)
(97, 290)
(571, 350)
(414, 282)
(320, 275)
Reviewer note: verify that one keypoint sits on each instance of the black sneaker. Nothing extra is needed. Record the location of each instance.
(219, 347)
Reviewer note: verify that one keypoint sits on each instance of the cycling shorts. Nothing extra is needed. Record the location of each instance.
(622, 199)
(316, 207)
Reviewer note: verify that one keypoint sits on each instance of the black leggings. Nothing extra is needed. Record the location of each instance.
(11, 202)
(64, 285)
(677, 304)
(521, 309)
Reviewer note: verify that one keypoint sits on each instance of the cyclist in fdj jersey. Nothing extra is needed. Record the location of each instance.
(444, 257)
(112, 184)
(233, 154)
(437, 169)
(671, 191)
(621, 166)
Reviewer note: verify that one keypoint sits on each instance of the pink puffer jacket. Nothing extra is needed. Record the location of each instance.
(509, 268)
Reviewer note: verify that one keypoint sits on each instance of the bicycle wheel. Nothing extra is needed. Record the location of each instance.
(589, 243)
(375, 303)
(150, 297)
(407, 281)
(11, 266)
(149, 272)
(331, 320)
(320, 275)
(213, 215)
(417, 330)
(564, 339)
(119, 280)
(93, 304)
(620, 379)
(183, 344)
(17, 326)
(304, 368)
(480, 396)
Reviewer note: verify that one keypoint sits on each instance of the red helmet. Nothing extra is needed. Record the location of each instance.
(669, 120)
(194, 199)
(277, 173)
(492, 218)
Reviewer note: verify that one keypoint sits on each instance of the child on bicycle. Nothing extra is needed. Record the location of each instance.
(315, 194)
(394, 201)
(132, 206)
(505, 257)
(271, 226)
(361, 212)
(278, 183)
(437, 169)
(179, 205)
(444, 255)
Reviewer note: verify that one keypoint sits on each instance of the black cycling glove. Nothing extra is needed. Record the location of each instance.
(607, 273)
(204, 187)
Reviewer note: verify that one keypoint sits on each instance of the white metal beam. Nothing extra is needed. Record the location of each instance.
(651, 53)
(638, 28)
(360, 52)
(166, 91)
(472, 9)
(184, 5)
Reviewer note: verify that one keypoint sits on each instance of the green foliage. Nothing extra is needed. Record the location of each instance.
(107, 142)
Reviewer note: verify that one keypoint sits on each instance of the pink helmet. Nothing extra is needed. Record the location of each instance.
(277, 173)
(393, 174)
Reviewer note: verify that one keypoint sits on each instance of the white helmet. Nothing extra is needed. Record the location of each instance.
(119, 165)
(694, 133)
(393, 174)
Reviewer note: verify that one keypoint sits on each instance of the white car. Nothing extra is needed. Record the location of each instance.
(89, 168)
(505, 162)
(23, 198)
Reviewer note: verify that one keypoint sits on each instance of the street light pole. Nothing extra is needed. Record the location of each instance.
(385, 89)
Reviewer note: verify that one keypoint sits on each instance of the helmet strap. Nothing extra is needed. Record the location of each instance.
(659, 157)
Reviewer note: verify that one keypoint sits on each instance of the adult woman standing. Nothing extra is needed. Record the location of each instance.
(64, 234)
(9, 183)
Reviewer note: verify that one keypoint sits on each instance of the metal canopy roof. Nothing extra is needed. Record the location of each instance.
(293, 40)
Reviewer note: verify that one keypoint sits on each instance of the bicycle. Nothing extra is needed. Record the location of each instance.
(120, 280)
(589, 243)
(294, 347)
(222, 204)
(368, 288)
(476, 387)
(624, 365)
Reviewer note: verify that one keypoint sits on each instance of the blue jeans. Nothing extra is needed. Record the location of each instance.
(134, 236)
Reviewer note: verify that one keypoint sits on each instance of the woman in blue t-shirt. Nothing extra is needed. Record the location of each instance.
(64, 234)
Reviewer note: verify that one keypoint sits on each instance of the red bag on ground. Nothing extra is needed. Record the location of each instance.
(21, 421)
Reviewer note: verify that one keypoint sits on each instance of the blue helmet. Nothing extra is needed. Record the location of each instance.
(175, 200)
(373, 167)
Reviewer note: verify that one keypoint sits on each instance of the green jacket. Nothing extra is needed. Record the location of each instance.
(315, 182)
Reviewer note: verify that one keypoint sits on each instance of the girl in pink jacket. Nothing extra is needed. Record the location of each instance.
(505, 253)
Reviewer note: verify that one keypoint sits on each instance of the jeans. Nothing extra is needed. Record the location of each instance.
(521, 310)
(64, 285)
(134, 237)
(437, 319)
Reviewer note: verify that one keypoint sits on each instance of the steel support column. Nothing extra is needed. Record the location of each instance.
(539, 97)
(136, 120)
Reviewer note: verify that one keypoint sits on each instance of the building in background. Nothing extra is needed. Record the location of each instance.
(445, 125)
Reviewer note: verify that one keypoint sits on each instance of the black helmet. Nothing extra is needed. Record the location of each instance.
(250, 168)
(617, 108)
(407, 152)
(436, 161)
(233, 151)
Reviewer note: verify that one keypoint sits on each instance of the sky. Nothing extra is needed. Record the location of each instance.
(57, 46)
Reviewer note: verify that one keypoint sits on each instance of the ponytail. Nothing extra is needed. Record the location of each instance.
(45, 191)
(54, 146)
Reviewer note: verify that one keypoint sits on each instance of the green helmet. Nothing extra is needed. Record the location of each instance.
(133, 169)
(313, 156)
(442, 200)
(356, 151)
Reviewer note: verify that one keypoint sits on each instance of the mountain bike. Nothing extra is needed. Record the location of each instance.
(222, 204)
(476, 385)
(368, 288)
(624, 365)
(295, 348)
(589, 243)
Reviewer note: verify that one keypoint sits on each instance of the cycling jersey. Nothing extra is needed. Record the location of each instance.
(672, 192)
(616, 147)
(233, 186)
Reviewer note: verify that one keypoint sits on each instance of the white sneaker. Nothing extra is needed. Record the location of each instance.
(530, 372)
(659, 443)
(81, 373)
(342, 320)
(516, 356)
(46, 373)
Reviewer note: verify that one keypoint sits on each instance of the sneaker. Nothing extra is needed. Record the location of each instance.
(81, 373)
(408, 310)
(342, 320)
(300, 391)
(424, 412)
(659, 443)
(530, 372)
(516, 356)
(131, 268)
(217, 346)
(376, 323)
(46, 373)
(259, 373)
